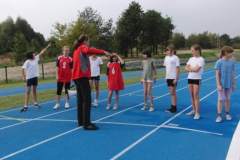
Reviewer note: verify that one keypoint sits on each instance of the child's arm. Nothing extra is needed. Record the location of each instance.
(233, 79)
(196, 69)
(218, 81)
(154, 71)
(24, 74)
(177, 74)
(119, 58)
(188, 68)
(44, 50)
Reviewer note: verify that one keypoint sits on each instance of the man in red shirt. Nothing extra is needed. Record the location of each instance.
(64, 75)
(81, 75)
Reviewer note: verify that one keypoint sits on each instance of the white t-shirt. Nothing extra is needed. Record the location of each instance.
(194, 62)
(171, 63)
(95, 66)
(31, 67)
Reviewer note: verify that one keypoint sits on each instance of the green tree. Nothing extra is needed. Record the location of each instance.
(7, 32)
(20, 46)
(178, 40)
(129, 27)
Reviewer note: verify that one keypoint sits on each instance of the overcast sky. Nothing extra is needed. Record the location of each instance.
(189, 16)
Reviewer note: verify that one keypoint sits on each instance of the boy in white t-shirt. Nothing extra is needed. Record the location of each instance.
(172, 65)
(95, 63)
(30, 72)
(194, 67)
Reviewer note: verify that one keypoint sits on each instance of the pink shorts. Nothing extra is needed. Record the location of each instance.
(224, 94)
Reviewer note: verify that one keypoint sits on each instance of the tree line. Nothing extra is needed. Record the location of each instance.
(206, 39)
(18, 37)
(134, 31)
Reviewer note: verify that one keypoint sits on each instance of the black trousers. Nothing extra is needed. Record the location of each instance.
(83, 101)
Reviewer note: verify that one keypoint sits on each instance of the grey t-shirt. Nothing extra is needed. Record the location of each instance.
(148, 72)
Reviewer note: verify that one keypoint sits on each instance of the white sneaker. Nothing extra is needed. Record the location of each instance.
(219, 119)
(57, 106)
(191, 113)
(115, 107)
(144, 108)
(151, 109)
(95, 103)
(196, 116)
(228, 117)
(108, 107)
(72, 92)
(67, 105)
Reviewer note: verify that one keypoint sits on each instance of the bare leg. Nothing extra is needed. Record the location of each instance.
(196, 98)
(110, 92)
(172, 91)
(97, 89)
(27, 95)
(149, 92)
(35, 94)
(145, 92)
(219, 107)
(192, 96)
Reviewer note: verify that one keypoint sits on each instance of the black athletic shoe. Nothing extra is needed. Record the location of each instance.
(172, 110)
(37, 105)
(24, 109)
(91, 127)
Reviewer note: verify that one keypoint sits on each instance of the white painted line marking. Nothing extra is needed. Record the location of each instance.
(193, 130)
(155, 130)
(233, 152)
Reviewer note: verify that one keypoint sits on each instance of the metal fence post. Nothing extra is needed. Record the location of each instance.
(43, 76)
(6, 74)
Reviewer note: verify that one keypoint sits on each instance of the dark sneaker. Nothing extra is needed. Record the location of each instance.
(37, 105)
(91, 127)
(172, 110)
(24, 109)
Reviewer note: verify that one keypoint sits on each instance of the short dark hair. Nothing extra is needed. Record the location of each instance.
(29, 55)
(147, 52)
(82, 38)
(111, 58)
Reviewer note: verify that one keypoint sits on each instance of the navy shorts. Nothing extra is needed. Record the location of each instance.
(170, 83)
(96, 78)
(32, 82)
(194, 81)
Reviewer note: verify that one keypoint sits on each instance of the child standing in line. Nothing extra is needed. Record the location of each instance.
(115, 79)
(95, 63)
(64, 76)
(225, 79)
(30, 72)
(148, 77)
(195, 67)
(172, 65)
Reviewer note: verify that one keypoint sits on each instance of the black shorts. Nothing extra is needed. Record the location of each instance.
(60, 87)
(96, 78)
(170, 83)
(194, 81)
(32, 82)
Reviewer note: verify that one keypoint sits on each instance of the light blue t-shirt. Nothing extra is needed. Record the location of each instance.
(227, 72)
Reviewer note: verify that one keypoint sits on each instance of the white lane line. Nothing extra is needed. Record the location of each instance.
(193, 130)
(233, 152)
(70, 131)
(129, 124)
(156, 129)
(3, 117)
(128, 86)
(159, 127)
(137, 124)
